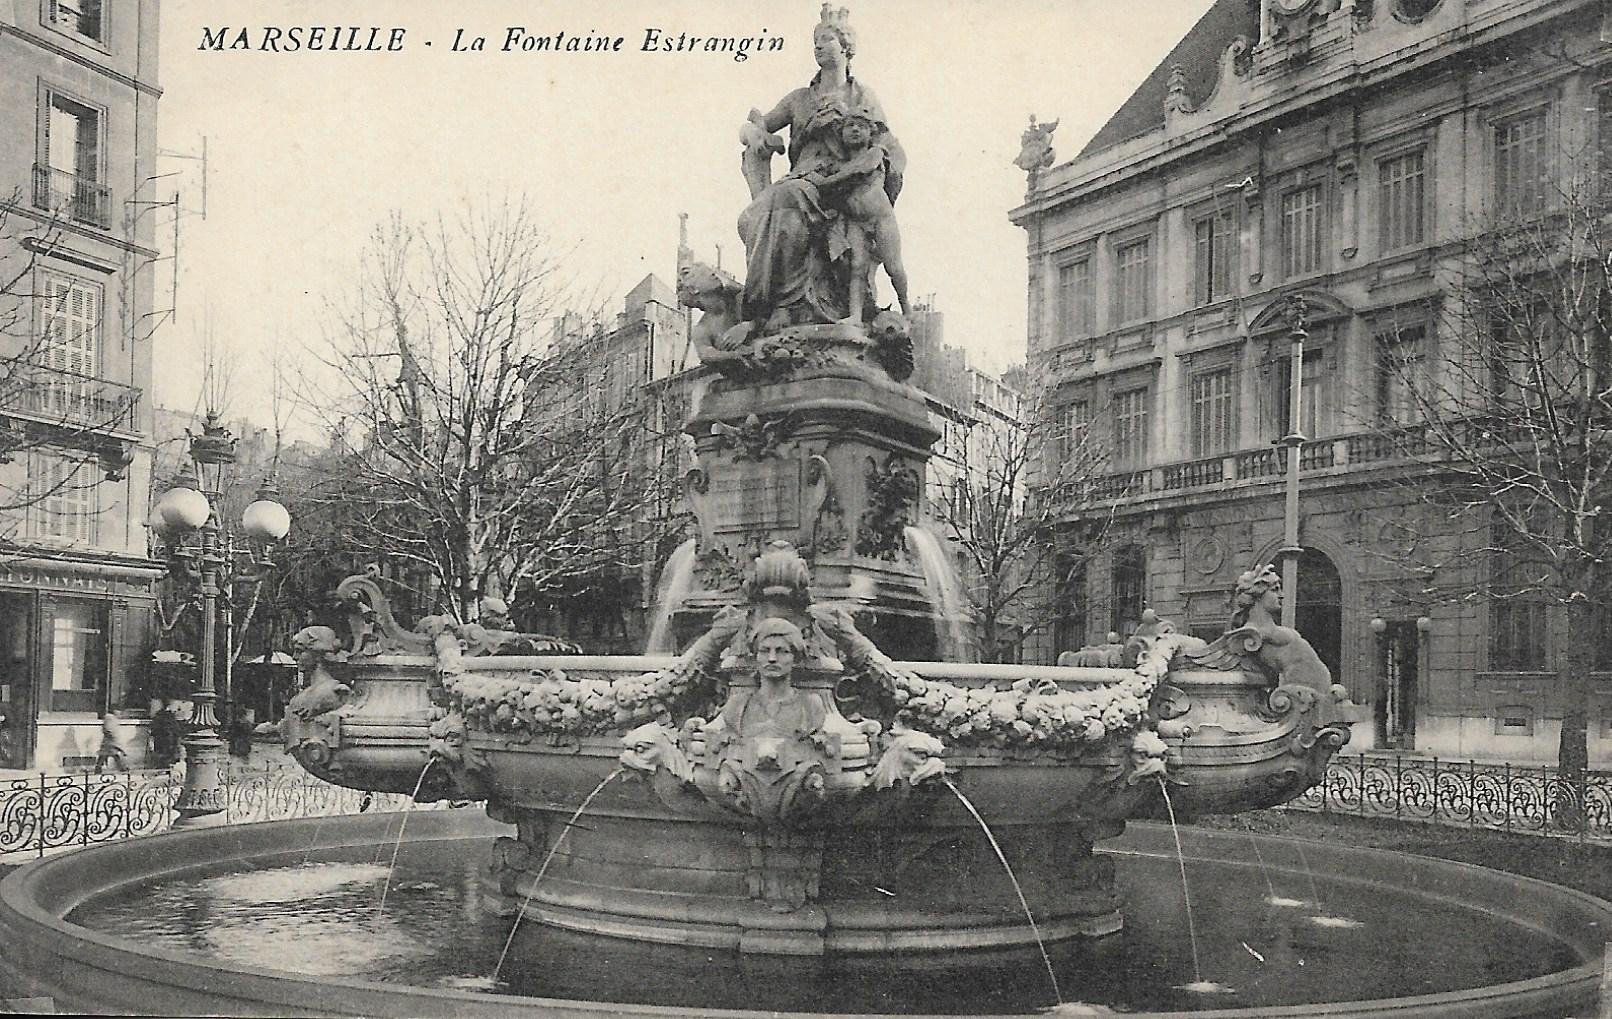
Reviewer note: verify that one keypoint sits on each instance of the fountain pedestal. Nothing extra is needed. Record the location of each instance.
(820, 448)
(921, 878)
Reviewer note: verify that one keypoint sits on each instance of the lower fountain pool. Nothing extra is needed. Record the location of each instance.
(1387, 926)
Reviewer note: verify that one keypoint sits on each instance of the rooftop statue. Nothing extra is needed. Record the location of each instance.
(812, 238)
(1035, 147)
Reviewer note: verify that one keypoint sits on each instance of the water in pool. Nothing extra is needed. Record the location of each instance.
(1287, 942)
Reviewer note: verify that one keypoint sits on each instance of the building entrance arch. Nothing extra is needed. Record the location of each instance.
(1318, 608)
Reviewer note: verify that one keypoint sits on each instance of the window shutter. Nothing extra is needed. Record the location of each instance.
(46, 105)
(44, 660)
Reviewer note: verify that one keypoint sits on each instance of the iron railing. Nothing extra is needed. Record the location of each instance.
(79, 198)
(62, 397)
(45, 812)
(1506, 797)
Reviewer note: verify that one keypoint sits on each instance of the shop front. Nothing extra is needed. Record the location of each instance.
(72, 635)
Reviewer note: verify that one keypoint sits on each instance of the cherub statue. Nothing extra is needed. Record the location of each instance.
(873, 235)
(1256, 641)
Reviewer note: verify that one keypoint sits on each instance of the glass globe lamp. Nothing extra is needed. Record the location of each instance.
(265, 519)
(183, 507)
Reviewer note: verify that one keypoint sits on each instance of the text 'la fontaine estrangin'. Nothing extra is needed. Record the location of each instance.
(512, 39)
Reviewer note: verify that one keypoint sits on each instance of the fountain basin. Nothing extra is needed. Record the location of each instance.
(81, 969)
(875, 869)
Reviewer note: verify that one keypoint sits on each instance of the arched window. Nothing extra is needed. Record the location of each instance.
(1318, 609)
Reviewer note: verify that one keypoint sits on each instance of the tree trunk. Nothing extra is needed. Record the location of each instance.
(1573, 758)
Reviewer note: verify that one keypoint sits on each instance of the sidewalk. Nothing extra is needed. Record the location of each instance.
(267, 754)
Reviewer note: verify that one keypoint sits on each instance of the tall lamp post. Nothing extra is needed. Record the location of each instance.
(202, 552)
(1294, 441)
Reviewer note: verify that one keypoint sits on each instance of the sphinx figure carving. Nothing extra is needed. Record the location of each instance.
(312, 727)
(1255, 641)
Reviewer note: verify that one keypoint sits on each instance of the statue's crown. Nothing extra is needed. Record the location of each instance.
(836, 17)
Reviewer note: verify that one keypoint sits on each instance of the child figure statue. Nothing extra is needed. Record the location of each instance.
(873, 234)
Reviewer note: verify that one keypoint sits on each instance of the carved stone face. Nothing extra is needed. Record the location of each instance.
(828, 48)
(775, 657)
(857, 132)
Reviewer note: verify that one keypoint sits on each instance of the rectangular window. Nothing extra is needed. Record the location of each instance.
(78, 656)
(1301, 231)
(1128, 588)
(1401, 201)
(70, 324)
(80, 17)
(70, 311)
(1134, 283)
(63, 499)
(1212, 249)
(67, 167)
(1213, 412)
(1521, 165)
(1517, 622)
(1315, 395)
(1075, 318)
(1071, 431)
(1130, 427)
(1069, 632)
(1399, 375)
(1517, 635)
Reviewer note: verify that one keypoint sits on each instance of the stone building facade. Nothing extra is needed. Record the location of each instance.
(78, 104)
(632, 377)
(1337, 150)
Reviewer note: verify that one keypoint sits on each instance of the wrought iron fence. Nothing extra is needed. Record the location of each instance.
(1507, 797)
(47, 812)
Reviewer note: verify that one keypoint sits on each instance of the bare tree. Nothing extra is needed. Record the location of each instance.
(482, 449)
(1508, 410)
(52, 400)
(1021, 504)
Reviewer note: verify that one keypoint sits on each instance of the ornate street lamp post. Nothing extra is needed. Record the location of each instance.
(1294, 441)
(202, 552)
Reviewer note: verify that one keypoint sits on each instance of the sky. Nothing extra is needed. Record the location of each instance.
(308, 151)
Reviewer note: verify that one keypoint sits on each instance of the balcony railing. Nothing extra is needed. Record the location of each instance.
(67, 398)
(78, 198)
(1250, 465)
(1194, 474)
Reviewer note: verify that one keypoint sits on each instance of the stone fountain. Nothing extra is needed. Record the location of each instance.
(796, 786)
(784, 783)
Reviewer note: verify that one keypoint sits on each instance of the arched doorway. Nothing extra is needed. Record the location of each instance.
(1318, 610)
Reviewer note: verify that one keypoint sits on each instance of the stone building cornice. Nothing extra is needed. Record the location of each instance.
(98, 66)
(1275, 99)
